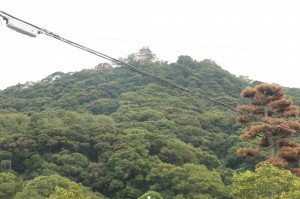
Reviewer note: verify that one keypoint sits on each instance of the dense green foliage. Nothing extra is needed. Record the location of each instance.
(54, 187)
(9, 185)
(122, 134)
(266, 182)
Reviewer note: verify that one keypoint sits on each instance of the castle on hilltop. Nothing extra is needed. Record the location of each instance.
(143, 54)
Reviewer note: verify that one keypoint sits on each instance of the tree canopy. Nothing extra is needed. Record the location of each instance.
(269, 101)
(116, 134)
(266, 182)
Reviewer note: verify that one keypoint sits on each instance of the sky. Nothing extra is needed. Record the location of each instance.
(255, 38)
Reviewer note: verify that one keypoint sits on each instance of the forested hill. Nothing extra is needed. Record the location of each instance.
(79, 91)
(121, 134)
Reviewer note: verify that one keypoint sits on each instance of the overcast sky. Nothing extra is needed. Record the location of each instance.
(255, 38)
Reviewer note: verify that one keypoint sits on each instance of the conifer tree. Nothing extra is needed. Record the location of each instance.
(269, 101)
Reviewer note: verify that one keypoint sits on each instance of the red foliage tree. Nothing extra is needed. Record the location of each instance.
(269, 101)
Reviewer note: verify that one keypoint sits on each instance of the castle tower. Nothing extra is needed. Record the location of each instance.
(142, 55)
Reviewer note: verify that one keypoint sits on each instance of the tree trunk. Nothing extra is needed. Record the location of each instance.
(266, 111)
(272, 145)
(269, 136)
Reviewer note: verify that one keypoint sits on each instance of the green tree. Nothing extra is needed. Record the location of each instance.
(103, 106)
(293, 193)
(5, 155)
(73, 192)
(128, 171)
(14, 123)
(186, 60)
(43, 186)
(10, 184)
(266, 182)
(188, 181)
(177, 153)
(72, 165)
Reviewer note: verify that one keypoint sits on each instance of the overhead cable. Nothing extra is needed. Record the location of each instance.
(142, 72)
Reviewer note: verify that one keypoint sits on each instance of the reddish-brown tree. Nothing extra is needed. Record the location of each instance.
(269, 101)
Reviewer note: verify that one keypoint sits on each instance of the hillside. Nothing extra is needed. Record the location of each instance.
(122, 134)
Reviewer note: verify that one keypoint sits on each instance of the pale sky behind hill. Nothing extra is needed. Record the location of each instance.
(255, 38)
